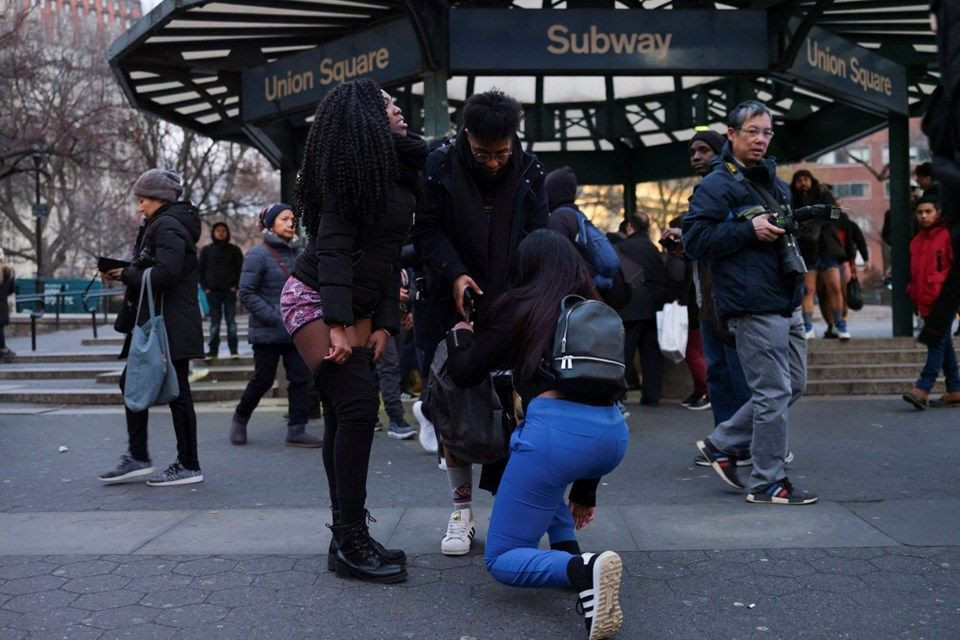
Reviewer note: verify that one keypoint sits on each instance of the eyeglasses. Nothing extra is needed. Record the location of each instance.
(501, 157)
(753, 132)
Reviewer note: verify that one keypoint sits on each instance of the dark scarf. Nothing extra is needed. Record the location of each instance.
(411, 157)
(471, 183)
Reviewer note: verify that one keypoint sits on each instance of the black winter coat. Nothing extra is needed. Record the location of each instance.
(220, 266)
(356, 270)
(169, 245)
(7, 287)
(646, 298)
(261, 284)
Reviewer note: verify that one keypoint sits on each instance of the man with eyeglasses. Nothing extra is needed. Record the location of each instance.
(759, 303)
(482, 195)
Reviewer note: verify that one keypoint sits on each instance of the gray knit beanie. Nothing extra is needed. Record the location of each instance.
(158, 184)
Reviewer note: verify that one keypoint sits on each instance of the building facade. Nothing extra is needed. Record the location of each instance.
(116, 15)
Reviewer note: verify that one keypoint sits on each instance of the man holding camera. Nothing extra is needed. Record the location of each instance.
(758, 295)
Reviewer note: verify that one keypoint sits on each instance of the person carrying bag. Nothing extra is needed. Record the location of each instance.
(151, 378)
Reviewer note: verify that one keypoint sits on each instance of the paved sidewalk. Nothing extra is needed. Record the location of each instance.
(241, 555)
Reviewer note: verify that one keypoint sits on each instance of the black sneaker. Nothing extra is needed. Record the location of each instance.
(699, 403)
(693, 397)
(724, 464)
(743, 459)
(176, 474)
(128, 469)
(830, 333)
(781, 492)
(598, 584)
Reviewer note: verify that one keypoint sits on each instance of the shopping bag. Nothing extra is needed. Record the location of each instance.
(150, 376)
(672, 326)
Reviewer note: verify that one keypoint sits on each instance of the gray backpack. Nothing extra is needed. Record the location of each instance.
(588, 350)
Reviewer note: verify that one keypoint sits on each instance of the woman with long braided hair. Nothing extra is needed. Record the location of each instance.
(355, 196)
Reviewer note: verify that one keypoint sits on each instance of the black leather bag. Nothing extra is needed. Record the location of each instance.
(588, 349)
(854, 295)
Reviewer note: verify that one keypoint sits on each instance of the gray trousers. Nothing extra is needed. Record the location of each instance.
(773, 353)
(388, 377)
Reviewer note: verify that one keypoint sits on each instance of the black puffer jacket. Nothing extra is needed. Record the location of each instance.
(169, 245)
(355, 269)
(261, 284)
(220, 264)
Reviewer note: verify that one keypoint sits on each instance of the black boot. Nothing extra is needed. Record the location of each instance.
(238, 429)
(356, 557)
(393, 556)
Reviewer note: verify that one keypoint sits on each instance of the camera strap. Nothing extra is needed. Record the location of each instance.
(759, 192)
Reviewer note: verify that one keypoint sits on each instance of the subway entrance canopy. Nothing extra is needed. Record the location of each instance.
(614, 89)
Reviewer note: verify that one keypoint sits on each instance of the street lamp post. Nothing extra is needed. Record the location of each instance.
(39, 213)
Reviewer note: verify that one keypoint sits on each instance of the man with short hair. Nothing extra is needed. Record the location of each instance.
(221, 264)
(482, 195)
(758, 301)
(929, 186)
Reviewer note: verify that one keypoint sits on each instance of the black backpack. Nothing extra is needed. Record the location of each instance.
(588, 349)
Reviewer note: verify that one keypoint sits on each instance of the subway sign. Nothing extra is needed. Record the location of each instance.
(387, 53)
(831, 63)
(605, 40)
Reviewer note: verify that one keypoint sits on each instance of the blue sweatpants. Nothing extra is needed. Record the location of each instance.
(558, 442)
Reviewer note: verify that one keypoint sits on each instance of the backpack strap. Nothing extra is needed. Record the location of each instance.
(280, 263)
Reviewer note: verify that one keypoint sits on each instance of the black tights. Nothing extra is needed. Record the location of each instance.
(350, 406)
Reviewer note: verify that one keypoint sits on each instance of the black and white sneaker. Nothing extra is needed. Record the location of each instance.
(599, 588)
(781, 492)
(699, 403)
(174, 475)
(128, 469)
(724, 464)
(743, 459)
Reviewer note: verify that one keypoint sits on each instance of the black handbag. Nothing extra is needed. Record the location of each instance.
(854, 294)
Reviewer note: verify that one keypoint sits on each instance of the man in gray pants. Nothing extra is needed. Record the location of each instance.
(391, 386)
(759, 296)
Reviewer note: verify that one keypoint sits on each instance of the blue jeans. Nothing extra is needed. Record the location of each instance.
(223, 304)
(726, 385)
(940, 356)
(559, 442)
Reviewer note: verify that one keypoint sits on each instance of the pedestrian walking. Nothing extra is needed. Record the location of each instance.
(389, 380)
(482, 194)
(7, 288)
(220, 265)
(564, 440)
(758, 302)
(166, 242)
(355, 196)
(266, 268)
(931, 257)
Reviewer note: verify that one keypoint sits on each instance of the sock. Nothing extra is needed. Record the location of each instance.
(461, 485)
(570, 546)
(579, 571)
(837, 317)
(807, 320)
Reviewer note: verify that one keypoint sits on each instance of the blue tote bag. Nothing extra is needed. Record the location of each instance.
(151, 377)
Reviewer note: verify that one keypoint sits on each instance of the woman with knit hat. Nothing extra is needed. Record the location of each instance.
(166, 242)
(266, 268)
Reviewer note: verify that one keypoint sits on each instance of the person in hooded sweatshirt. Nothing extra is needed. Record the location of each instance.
(166, 242)
(221, 263)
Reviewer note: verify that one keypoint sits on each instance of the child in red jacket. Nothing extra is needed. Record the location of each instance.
(931, 255)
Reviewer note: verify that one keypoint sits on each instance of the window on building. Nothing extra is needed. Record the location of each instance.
(851, 190)
(847, 155)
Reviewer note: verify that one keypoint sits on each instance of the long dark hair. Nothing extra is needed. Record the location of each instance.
(545, 269)
(349, 157)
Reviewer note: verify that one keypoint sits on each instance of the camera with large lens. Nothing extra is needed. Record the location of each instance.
(791, 262)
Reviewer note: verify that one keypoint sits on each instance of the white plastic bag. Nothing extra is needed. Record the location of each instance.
(672, 325)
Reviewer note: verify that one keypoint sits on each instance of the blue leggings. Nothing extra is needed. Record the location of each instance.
(559, 442)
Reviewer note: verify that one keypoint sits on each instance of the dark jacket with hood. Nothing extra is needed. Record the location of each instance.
(746, 272)
(261, 283)
(816, 238)
(356, 269)
(453, 233)
(647, 297)
(168, 243)
(220, 263)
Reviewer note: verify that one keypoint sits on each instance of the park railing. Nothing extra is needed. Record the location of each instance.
(39, 302)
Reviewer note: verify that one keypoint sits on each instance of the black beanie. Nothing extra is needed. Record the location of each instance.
(561, 186)
(713, 139)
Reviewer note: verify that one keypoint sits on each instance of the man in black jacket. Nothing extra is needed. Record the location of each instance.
(640, 314)
(220, 266)
(482, 195)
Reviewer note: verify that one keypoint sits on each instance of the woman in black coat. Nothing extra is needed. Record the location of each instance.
(355, 196)
(7, 288)
(166, 242)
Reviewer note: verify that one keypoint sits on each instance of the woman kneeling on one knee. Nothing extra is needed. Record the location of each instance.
(564, 439)
(355, 196)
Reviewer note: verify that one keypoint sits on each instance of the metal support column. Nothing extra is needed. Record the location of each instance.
(899, 132)
(436, 115)
(288, 180)
(629, 198)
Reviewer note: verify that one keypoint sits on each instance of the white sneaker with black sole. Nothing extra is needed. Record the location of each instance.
(127, 470)
(176, 474)
(460, 531)
(427, 435)
(599, 594)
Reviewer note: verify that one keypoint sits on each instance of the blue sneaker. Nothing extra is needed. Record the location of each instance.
(842, 332)
(401, 430)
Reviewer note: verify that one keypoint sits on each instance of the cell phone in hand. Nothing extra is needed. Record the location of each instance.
(108, 264)
(468, 303)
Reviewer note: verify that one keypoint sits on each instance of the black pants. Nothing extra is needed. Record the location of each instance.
(350, 405)
(266, 357)
(3, 338)
(642, 335)
(184, 422)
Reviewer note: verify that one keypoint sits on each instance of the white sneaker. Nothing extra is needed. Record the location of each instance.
(600, 602)
(810, 335)
(428, 435)
(460, 530)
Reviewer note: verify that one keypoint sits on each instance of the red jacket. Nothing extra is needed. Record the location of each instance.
(931, 255)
